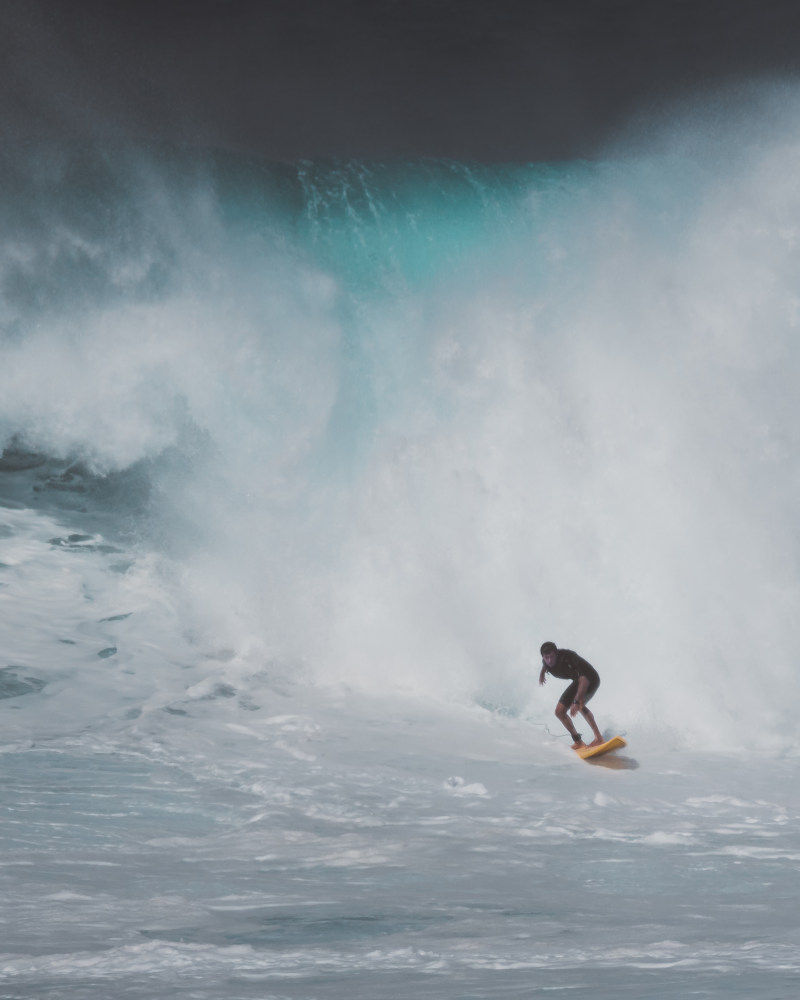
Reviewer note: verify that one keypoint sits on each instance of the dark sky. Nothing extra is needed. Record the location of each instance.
(476, 79)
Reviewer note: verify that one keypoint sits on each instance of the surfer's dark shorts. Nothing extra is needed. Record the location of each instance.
(568, 696)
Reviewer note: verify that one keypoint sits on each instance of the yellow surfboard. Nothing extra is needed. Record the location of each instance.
(615, 743)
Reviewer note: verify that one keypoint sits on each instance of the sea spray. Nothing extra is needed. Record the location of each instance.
(400, 423)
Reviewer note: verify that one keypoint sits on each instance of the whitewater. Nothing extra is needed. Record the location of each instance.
(301, 465)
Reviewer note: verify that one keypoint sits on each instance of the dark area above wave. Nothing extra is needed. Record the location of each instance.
(507, 80)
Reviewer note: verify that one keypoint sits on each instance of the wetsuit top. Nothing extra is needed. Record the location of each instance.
(569, 666)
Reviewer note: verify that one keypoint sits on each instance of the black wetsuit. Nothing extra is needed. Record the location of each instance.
(570, 666)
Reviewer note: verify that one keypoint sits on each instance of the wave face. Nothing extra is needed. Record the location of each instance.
(395, 425)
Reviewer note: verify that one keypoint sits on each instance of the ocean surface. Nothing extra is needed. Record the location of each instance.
(301, 464)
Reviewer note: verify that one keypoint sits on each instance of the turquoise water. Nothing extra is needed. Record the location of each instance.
(302, 464)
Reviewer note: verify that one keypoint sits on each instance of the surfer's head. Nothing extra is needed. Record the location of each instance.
(549, 651)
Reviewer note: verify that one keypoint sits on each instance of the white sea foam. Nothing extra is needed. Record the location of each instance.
(290, 508)
(578, 425)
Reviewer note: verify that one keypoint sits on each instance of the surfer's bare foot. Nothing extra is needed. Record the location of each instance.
(596, 741)
(578, 745)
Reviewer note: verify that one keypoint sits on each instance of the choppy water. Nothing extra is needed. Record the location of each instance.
(343, 846)
(302, 463)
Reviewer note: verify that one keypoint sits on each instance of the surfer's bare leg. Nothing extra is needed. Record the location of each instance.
(598, 736)
(564, 719)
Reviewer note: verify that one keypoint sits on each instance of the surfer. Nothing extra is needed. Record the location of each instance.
(584, 680)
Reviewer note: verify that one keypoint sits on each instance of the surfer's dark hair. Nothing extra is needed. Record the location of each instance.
(548, 647)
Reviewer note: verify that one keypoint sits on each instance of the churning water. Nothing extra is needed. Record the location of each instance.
(302, 464)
